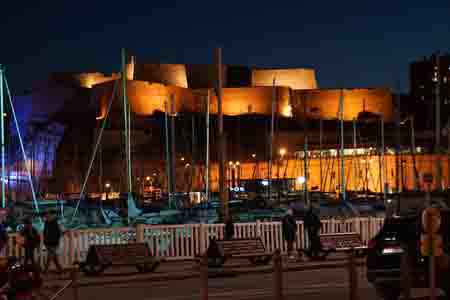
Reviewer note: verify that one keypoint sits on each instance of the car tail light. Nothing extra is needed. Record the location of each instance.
(372, 244)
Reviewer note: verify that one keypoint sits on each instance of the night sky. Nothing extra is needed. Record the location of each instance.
(349, 43)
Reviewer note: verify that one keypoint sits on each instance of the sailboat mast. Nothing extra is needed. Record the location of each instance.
(437, 149)
(341, 117)
(2, 129)
(383, 165)
(126, 115)
(222, 191)
(168, 158)
(305, 157)
(173, 158)
(272, 125)
(207, 148)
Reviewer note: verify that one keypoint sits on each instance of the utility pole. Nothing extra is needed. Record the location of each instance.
(223, 194)
(2, 129)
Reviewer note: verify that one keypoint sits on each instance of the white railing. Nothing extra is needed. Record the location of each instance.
(185, 241)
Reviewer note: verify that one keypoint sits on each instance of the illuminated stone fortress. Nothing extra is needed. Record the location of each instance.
(301, 108)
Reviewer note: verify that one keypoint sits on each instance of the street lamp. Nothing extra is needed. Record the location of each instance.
(282, 152)
(107, 187)
(254, 155)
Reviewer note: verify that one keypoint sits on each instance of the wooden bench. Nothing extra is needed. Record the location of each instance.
(339, 242)
(100, 257)
(342, 242)
(250, 248)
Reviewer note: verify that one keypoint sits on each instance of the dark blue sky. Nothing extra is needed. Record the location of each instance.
(349, 43)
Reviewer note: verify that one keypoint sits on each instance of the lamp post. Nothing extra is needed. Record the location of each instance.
(107, 189)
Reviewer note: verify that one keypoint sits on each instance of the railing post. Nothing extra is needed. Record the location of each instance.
(406, 277)
(278, 274)
(258, 228)
(204, 277)
(353, 277)
(203, 238)
(140, 233)
(75, 287)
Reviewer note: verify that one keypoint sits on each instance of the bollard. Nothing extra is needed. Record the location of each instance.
(74, 276)
(278, 273)
(353, 277)
(406, 277)
(204, 277)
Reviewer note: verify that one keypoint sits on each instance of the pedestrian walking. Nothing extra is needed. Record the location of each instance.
(31, 241)
(52, 237)
(289, 228)
(313, 226)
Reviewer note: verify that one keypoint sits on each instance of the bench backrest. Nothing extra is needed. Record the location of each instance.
(242, 246)
(118, 254)
(341, 240)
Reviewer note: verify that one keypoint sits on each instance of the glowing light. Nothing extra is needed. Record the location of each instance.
(254, 155)
(187, 165)
(107, 185)
(238, 163)
(283, 151)
(182, 159)
(230, 163)
(301, 180)
(147, 178)
(287, 111)
(265, 182)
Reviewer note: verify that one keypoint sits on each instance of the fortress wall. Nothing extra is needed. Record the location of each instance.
(375, 100)
(168, 74)
(257, 100)
(297, 79)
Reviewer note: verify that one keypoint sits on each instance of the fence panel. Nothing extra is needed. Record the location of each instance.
(185, 241)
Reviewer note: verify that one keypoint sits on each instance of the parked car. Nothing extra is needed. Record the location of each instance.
(400, 235)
